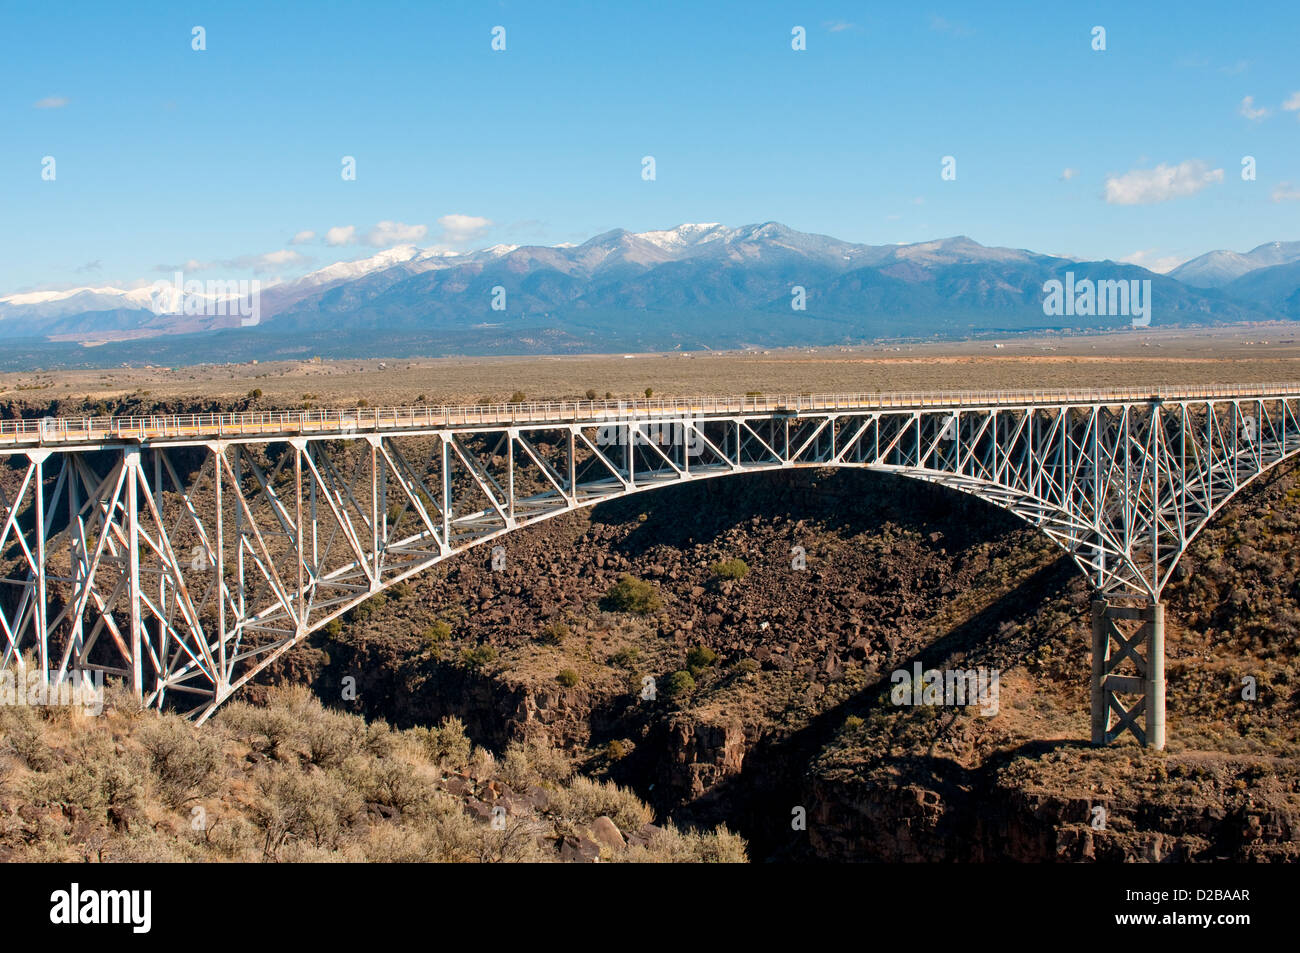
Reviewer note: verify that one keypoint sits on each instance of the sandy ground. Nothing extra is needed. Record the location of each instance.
(1237, 355)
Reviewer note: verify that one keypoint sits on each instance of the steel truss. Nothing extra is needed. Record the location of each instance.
(188, 554)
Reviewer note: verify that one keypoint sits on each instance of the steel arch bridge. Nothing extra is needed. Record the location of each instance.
(187, 553)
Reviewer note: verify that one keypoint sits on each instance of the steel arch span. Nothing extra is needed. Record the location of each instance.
(186, 553)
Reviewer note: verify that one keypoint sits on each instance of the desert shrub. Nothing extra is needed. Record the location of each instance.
(746, 666)
(626, 657)
(730, 569)
(671, 846)
(390, 782)
(21, 731)
(436, 632)
(527, 763)
(720, 847)
(616, 750)
(331, 738)
(553, 633)
(478, 656)
(379, 742)
(518, 397)
(568, 677)
(149, 846)
(680, 685)
(584, 800)
(271, 729)
(447, 743)
(65, 785)
(181, 762)
(699, 658)
(119, 700)
(634, 595)
(313, 807)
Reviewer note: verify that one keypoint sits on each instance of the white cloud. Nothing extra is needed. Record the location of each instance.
(457, 228)
(388, 234)
(1164, 182)
(1285, 192)
(1292, 103)
(51, 102)
(1067, 174)
(341, 235)
(284, 256)
(838, 26)
(303, 237)
(1247, 109)
(1148, 259)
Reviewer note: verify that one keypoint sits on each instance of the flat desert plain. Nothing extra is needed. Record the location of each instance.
(1257, 354)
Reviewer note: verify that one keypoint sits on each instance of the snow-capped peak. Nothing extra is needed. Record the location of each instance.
(685, 235)
(344, 270)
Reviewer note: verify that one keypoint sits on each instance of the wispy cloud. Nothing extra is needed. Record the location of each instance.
(51, 102)
(1236, 69)
(258, 264)
(1250, 111)
(457, 228)
(1068, 173)
(1148, 259)
(944, 25)
(839, 26)
(1292, 103)
(303, 237)
(1164, 182)
(95, 265)
(1285, 192)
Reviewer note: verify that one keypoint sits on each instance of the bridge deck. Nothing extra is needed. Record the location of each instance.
(19, 435)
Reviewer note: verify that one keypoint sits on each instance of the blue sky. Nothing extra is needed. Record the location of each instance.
(219, 158)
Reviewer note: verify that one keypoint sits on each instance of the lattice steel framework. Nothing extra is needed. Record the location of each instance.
(186, 554)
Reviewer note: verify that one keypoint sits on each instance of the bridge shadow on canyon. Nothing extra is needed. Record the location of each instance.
(777, 771)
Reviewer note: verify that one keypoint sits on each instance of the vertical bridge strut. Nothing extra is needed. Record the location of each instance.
(1128, 660)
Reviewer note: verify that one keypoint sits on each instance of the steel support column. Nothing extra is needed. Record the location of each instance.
(1128, 660)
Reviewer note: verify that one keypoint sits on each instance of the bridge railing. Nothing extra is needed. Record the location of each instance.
(55, 430)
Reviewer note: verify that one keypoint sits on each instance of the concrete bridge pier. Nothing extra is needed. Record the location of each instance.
(1128, 672)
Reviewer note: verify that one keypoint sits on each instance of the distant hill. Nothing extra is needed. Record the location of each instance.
(696, 285)
(1277, 287)
(1217, 269)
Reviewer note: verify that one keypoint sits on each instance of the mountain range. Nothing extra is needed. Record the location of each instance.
(696, 285)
